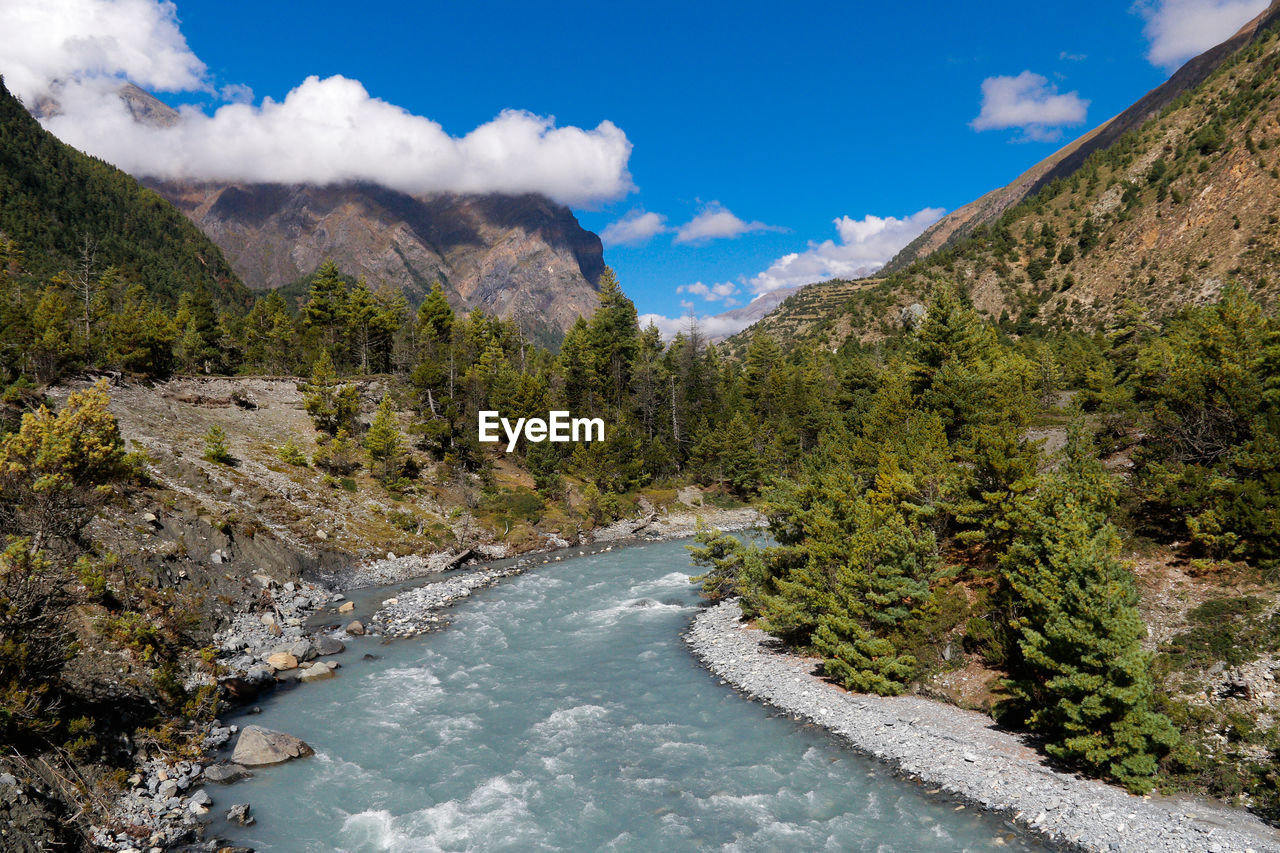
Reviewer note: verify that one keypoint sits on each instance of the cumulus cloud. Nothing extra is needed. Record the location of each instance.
(1181, 29)
(711, 292)
(865, 245)
(715, 327)
(1029, 102)
(324, 131)
(49, 40)
(633, 229)
(714, 222)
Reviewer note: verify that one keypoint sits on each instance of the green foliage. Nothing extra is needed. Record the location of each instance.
(339, 455)
(290, 454)
(56, 202)
(1079, 677)
(333, 406)
(1233, 631)
(384, 442)
(58, 469)
(1211, 462)
(215, 446)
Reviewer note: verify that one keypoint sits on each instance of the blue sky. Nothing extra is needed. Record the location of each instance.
(768, 119)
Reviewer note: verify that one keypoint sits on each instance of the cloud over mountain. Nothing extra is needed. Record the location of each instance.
(1181, 29)
(865, 245)
(324, 131)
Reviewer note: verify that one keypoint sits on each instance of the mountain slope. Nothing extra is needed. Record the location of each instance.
(1064, 162)
(523, 257)
(54, 200)
(1164, 217)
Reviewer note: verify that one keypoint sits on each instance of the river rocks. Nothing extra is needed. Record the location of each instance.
(355, 629)
(346, 607)
(300, 649)
(239, 813)
(225, 774)
(258, 746)
(282, 661)
(415, 611)
(317, 672)
(963, 754)
(326, 646)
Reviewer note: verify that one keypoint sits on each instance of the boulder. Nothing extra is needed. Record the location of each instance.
(346, 607)
(239, 813)
(282, 661)
(258, 746)
(300, 649)
(329, 646)
(355, 629)
(317, 672)
(225, 774)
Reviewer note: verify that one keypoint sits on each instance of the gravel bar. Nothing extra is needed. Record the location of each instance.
(415, 611)
(963, 754)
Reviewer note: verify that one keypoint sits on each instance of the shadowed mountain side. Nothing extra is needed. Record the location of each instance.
(520, 256)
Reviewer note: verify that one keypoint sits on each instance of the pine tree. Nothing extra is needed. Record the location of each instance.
(332, 406)
(1079, 676)
(215, 446)
(384, 441)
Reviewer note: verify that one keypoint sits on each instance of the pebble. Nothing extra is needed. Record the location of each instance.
(956, 751)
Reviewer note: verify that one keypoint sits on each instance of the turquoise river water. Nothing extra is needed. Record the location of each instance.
(562, 711)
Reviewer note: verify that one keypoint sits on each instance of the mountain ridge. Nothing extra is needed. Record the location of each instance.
(1068, 159)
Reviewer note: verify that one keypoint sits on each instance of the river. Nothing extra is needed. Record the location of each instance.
(562, 711)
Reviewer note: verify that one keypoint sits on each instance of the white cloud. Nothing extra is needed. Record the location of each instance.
(1029, 102)
(47, 40)
(324, 131)
(1181, 29)
(715, 221)
(711, 293)
(865, 245)
(710, 327)
(633, 229)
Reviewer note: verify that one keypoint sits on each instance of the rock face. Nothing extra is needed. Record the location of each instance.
(523, 257)
(258, 746)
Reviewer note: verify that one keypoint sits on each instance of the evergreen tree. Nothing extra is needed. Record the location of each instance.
(215, 446)
(332, 406)
(1079, 676)
(384, 442)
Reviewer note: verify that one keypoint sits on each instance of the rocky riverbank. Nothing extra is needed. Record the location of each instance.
(963, 754)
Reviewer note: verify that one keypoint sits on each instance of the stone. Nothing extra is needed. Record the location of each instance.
(355, 629)
(317, 672)
(149, 518)
(239, 813)
(282, 661)
(300, 649)
(274, 630)
(346, 607)
(257, 747)
(268, 618)
(329, 646)
(166, 789)
(225, 774)
(202, 797)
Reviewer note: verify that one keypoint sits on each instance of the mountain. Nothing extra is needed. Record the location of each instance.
(524, 257)
(1166, 215)
(1065, 162)
(56, 203)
